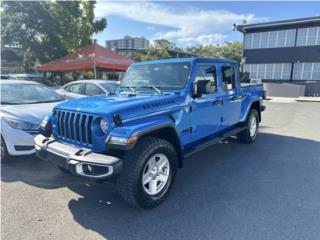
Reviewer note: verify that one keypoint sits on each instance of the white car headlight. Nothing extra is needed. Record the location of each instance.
(104, 125)
(45, 121)
(22, 125)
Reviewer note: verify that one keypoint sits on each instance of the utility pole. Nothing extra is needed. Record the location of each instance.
(95, 69)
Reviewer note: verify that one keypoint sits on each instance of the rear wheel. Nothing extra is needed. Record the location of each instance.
(252, 124)
(148, 173)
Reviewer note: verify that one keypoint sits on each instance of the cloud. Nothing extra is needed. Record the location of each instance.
(209, 39)
(186, 27)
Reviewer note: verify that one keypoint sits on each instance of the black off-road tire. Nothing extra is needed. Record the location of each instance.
(129, 183)
(244, 136)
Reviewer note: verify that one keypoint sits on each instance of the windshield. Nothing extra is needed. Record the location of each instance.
(27, 93)
(110, 87)
(165, 76)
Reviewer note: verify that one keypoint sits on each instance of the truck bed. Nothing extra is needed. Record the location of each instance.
(252, 88)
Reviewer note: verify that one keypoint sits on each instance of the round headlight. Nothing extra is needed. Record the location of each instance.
(104, 125)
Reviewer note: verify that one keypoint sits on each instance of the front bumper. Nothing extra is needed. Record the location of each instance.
(79, 161)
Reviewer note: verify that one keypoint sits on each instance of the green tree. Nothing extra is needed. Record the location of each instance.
(49, 29)
(28, 61)
(233, 51)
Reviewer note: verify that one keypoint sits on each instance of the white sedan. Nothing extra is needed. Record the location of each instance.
(24, 104)
(83, 88)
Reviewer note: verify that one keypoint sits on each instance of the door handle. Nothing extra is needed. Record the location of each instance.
(217, 102)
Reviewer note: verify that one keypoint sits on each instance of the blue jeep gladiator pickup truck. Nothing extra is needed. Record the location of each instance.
(162, 112)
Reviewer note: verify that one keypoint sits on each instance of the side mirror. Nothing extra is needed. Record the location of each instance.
(200, 88)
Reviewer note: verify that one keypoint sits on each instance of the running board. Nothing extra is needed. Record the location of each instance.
(214, 141)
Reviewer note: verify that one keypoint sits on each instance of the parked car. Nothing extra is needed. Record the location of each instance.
(51, 84)
(8, 77)
(164, 111)
(24, 104)
(84, 88)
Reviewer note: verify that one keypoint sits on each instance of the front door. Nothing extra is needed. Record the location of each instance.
(206, 110)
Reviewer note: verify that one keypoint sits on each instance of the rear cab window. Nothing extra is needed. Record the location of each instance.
(228, 78)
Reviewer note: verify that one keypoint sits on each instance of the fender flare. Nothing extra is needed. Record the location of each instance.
(149, 127)
(252, 101)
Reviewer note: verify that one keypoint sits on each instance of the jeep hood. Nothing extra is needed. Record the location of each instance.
(126, 106)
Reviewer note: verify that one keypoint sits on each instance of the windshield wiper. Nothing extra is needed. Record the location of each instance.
(129, 87)
(157, 89)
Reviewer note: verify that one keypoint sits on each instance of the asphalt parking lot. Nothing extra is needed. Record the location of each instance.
(266, 190)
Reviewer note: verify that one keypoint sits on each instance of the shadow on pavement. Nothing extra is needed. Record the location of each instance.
(259, 189)
(254, 189)
(33, 171)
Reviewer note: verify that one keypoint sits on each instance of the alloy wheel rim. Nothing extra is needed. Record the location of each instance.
(253, 126)
(156, 174)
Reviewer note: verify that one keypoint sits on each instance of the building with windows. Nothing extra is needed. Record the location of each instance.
(128, 42)
(284, 52)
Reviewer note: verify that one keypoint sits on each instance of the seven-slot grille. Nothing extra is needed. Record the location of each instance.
(74, 127)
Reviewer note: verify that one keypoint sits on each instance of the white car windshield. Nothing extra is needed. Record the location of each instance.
(164, 76)
(27, 94)
(110, 87)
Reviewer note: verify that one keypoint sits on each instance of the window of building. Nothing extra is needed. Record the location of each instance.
(248, 40)
(270, 71)
(256, 40)
(272, 39)
(281, 39)
(290, 38)
(312, 36)
(297, 71)
(264, 39)
(277, 71)
(306, 71)
(316, 71)
(228, 78)
(286, 71)
(261, 71)
(308, 36)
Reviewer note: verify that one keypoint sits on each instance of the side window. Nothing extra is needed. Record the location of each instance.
(228, 78)
(75, 88)
(207, 73)
(92, 90)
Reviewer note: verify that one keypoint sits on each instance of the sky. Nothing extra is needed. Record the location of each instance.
(188, 23)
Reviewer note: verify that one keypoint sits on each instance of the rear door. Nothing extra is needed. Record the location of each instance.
(230, 93)
(206, 110)
(75, 90)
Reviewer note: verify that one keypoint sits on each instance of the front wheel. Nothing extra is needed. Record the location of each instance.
(148, 173)
(252, 124)
(5, 156)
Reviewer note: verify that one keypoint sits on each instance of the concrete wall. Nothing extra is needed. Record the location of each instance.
(284, 89)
